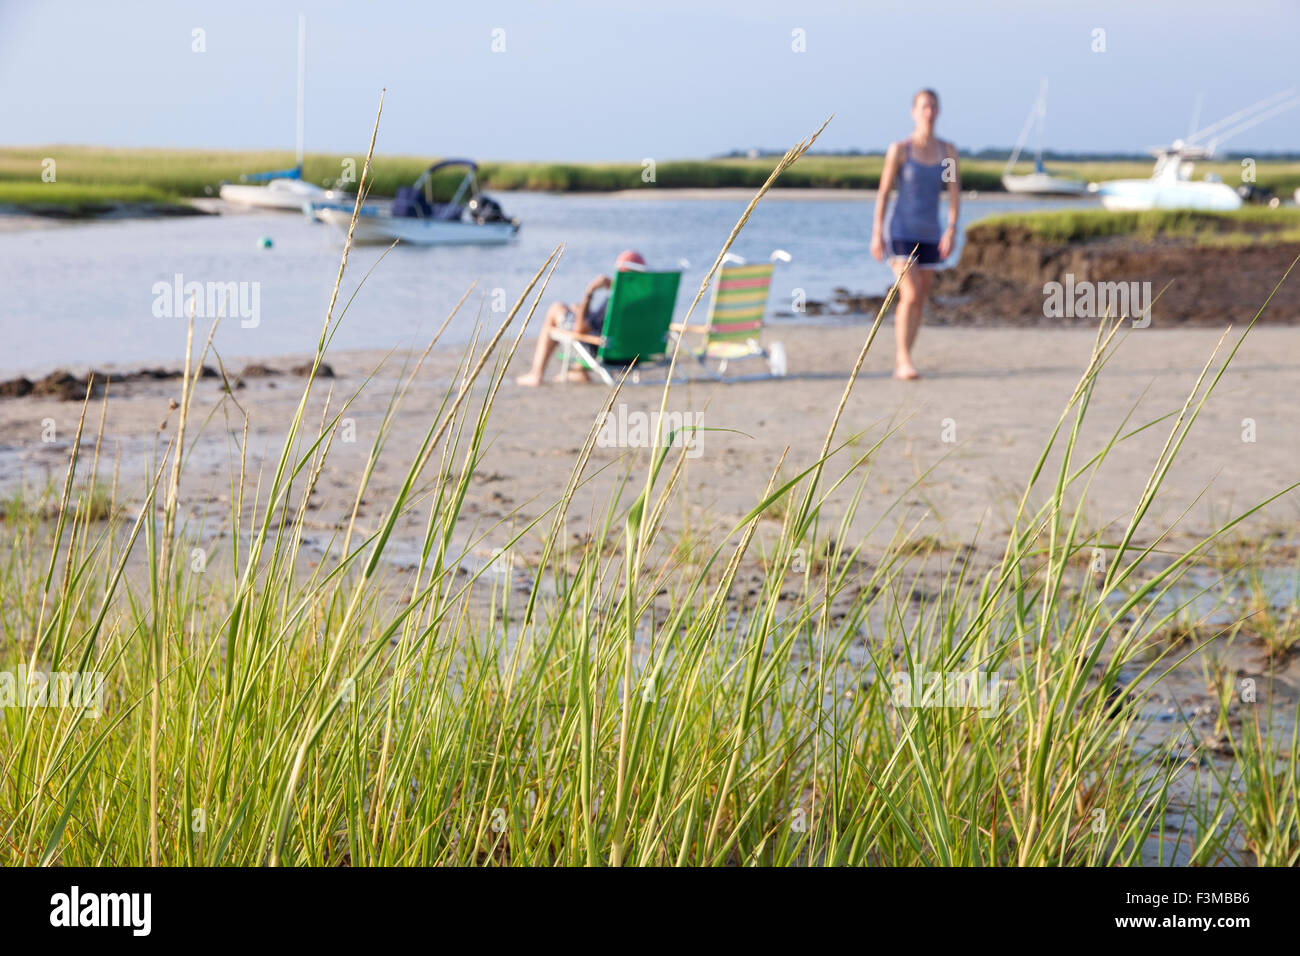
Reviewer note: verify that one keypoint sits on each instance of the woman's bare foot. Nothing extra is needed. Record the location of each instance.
(575, 375)
(906, 371)
(530, 380)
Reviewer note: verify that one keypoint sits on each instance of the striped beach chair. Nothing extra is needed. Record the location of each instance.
(736, 313)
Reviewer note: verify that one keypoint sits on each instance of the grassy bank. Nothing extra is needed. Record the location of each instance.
(86, 199)
(1248, 224)
(178, 174)
(630, 697)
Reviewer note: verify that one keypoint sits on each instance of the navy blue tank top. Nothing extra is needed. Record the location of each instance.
(916, 209)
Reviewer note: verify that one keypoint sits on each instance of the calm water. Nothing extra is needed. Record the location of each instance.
(81, 295)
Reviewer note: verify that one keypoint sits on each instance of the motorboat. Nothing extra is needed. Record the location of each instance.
(1171, 186)
(468, 218)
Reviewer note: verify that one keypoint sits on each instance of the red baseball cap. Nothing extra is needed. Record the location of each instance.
(630, 259)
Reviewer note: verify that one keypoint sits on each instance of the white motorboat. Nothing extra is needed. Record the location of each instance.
(1171, 186)
(469, 218)
(1040, 182)
(421, 232)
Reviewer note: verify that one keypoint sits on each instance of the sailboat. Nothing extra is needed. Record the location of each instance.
(1040, 182)
(1171, 185)
(283, 188)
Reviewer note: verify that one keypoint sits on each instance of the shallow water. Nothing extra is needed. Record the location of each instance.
(84, 295)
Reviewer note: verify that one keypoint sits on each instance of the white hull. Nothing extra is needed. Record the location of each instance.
(1138, 195)
(1171, 185)
(1043, 184)
(420, 232)
(290, 194)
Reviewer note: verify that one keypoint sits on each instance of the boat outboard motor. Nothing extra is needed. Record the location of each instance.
(1256, 194)
(485, 209)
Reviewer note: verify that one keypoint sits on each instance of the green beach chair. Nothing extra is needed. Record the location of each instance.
(637, 316)
(735, 321)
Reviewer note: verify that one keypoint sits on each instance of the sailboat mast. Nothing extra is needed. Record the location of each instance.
(1042, 118)
(1036, 111)
(302, 79)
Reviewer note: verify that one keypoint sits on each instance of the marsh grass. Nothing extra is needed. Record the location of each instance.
(182, 173)
(173, 174)
(1247, 225)
(637, 700)
(84, 199)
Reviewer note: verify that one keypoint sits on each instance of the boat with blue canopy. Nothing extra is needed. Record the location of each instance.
(469, 217)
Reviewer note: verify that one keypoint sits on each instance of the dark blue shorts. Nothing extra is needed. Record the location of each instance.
(927, 253)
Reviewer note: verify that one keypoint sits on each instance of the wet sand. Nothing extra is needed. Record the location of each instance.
(967, 435)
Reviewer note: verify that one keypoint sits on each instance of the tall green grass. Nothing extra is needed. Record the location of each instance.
(622, 700)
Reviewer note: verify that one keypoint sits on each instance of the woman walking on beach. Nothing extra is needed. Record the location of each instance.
(922, 166)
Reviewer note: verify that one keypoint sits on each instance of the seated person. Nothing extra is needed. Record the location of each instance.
(583, 317)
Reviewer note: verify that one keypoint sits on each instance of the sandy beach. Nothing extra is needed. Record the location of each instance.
(966, 436)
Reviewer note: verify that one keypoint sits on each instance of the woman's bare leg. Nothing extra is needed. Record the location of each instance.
(924, 280)
(545, 345)
(907, 321)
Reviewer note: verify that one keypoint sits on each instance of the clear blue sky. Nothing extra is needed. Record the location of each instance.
(618, 80)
